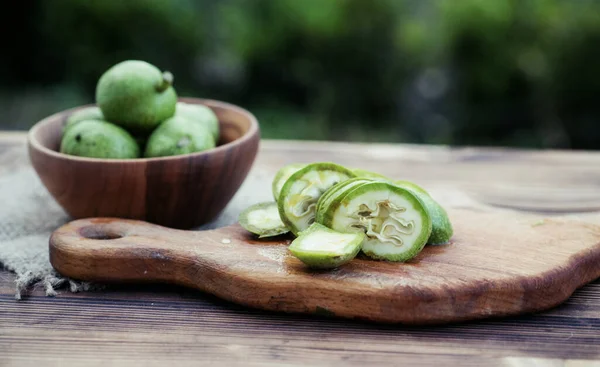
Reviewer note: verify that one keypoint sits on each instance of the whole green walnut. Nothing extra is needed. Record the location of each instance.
(83, 114)
(200, 114)
(179, 135)
(99, 139)
(136, 95)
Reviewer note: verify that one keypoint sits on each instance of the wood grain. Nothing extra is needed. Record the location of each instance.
(181, 191)
(497, 264)
(149, 325)
(142, 325)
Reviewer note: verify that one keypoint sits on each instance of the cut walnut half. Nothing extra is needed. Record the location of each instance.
(393, 219)
(298, 198)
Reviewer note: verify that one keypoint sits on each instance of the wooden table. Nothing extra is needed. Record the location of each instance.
(151, 325)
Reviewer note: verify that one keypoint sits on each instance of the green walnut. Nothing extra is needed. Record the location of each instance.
(136, 95)
(83, 114)
(99, 139)
(200, 114)
(176, 136)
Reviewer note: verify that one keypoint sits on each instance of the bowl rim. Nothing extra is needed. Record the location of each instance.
(252, 131)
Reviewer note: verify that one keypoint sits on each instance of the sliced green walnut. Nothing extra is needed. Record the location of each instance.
(332, 198)
(263, 220)
(322, 248)
(393, 219)
(411, 186)
(442, 229)
(359, 172)
(325, 198)
(282, 176)
(327, 195)
(298, 198)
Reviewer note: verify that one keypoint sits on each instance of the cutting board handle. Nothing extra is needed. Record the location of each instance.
(107, 249)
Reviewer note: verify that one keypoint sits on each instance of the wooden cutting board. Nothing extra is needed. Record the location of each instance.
(499, 263)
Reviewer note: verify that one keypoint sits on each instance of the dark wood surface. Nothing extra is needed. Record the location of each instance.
(154, 325)
(496, 264)
(164, 190)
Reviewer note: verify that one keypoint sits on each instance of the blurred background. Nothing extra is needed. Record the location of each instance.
(523, 73)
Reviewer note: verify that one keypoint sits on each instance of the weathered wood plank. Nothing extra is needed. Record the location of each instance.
(208, 329)
(149, 322)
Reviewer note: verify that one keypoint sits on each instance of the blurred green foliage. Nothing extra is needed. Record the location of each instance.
(479, 72)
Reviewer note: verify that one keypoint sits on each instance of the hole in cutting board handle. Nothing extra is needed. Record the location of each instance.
(99, 232)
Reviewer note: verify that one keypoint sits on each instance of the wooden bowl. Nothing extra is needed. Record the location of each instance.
(181, 191)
